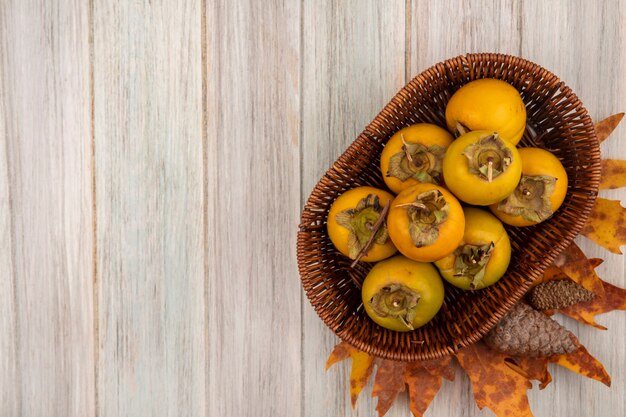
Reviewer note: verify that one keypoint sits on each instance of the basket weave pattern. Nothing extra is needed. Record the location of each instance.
(557, 121)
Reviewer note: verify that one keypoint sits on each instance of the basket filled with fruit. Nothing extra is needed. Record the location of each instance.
(442, 214)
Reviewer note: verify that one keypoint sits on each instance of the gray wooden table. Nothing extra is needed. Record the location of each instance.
(154, 159)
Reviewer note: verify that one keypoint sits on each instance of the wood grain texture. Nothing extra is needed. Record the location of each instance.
(149, 187)
(442, 29)
(253, 162)
(46, 263)
(352, 64)
(9, 395)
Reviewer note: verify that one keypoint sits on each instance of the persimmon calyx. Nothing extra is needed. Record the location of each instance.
(363, 221)
(471, 261)
(488, 157)
(531, 198)
(429, 210)
(397, 301)
(423, 163)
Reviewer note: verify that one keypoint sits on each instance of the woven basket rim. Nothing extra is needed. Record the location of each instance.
(369, 135)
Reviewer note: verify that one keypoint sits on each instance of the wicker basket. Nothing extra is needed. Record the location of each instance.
(557, 121)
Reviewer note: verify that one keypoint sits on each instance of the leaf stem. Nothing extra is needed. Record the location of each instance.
(375, 228)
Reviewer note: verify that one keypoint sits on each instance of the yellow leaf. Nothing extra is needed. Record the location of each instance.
(605, 127)
(584, 364)
(495, 384)
(362, 367)
(613, 174)
(606, 225)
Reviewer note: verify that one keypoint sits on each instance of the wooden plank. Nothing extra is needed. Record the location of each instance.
(253, 70)
(445, 29)
(582, 43)
(149, 187)
(9, 395)
(46, 223)
(353, 62)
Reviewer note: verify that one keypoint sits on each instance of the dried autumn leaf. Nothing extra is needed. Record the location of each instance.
(595, 262)
(389, 382)
(575, 265)
(495, 384)
(424, 381)
(579, 361)
(362, 367)
(531, 369)
(613, 174)
(606, 225)
(554, 273)
(614, 299)
(605, 127)
(584, 364)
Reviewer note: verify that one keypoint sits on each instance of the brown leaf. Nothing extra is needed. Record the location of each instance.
(614, 299)
(389, 382)
(613, 174)
(495, 384)
(605, 127)
(440, 367)
(424, 381)
(584, 364)
(575, 265)
(607, 225)
(595, 262)
(531, 369)
(362, 367)
(341, 352)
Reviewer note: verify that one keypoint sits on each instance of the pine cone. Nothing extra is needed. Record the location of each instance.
(527, 332)
(554, 295)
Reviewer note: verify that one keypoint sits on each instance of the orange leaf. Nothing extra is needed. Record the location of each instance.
(554, 273)
(424, 381)
(495, 384)
(576, 266)
(584, 364)
(614, 299)
(362, 367)
(613, 174)
(607, 225)
(341, 352)
(389, 382)
(605, 127)
(531, 369)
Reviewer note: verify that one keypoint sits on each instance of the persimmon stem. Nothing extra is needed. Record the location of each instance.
(375, 228)
(461, 129)
(413, 204)
(406, 149)
(490, 170)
